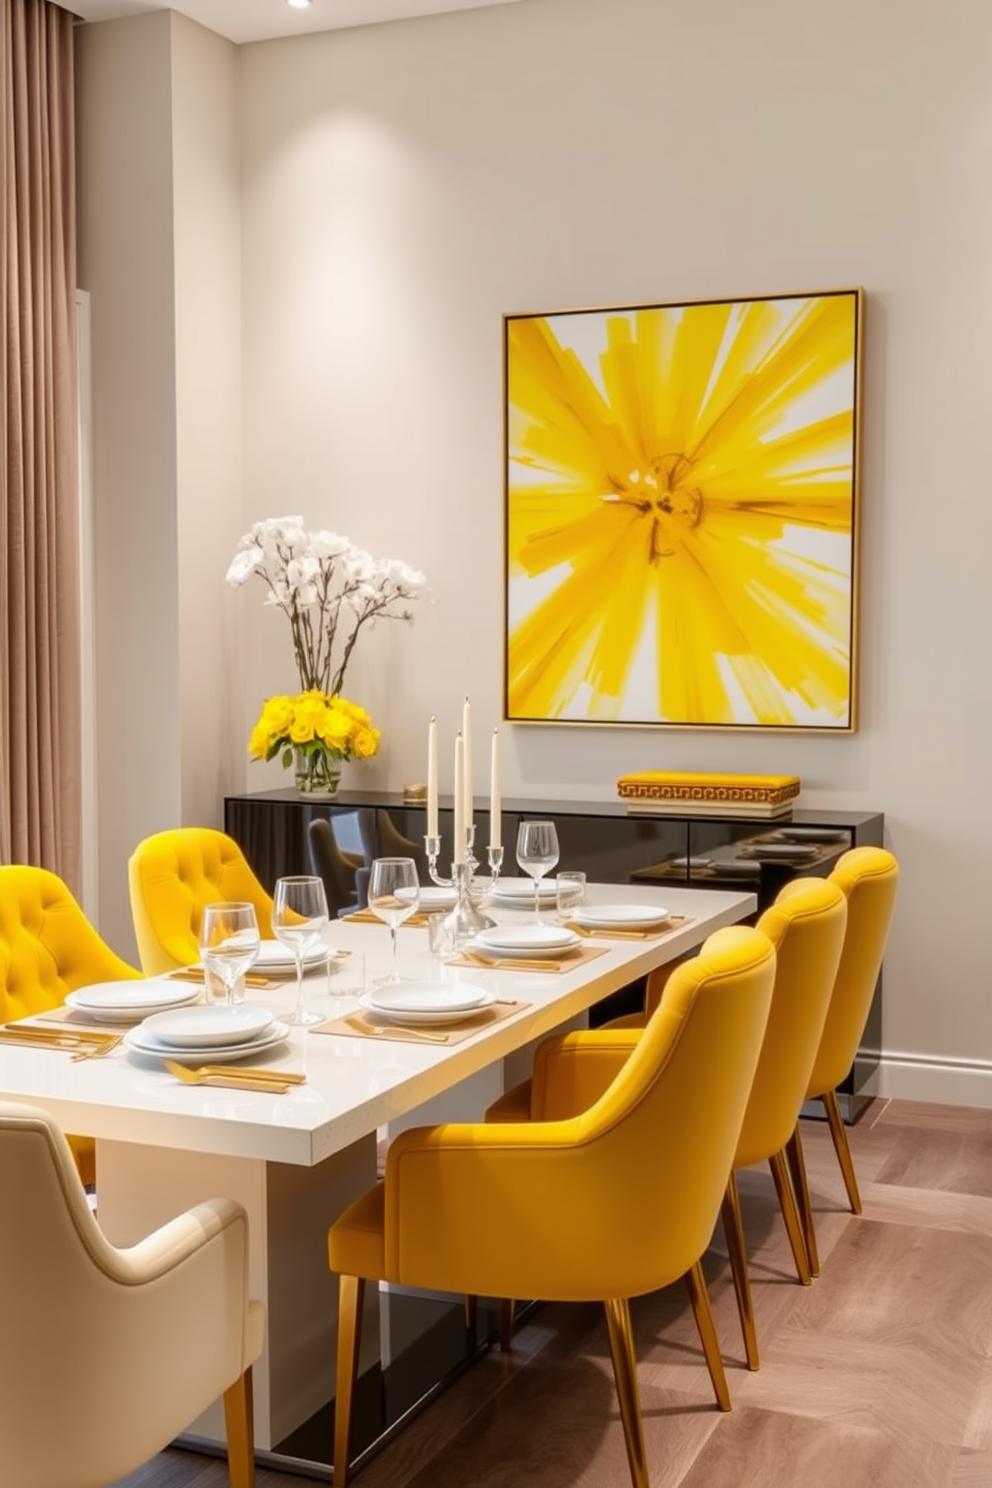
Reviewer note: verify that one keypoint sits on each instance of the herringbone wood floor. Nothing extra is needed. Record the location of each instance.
(880, 1374)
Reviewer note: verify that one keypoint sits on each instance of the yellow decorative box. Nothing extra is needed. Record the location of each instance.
(681, 793)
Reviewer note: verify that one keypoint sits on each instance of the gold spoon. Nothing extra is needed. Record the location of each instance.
(376, 1029)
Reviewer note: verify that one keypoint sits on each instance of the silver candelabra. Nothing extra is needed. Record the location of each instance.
(466, 919)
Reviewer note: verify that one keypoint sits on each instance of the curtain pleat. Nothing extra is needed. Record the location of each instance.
(40, 763)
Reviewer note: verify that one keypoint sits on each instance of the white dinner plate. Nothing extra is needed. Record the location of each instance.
(521, 890)
(427, 1002)
(274, 956)
(196, 1026)
(691, 863)
(619, 916)
(434, 897)
(130, 1002)
(143, 1042)
(530, 940)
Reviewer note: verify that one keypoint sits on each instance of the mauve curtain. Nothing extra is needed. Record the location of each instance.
(40, 766)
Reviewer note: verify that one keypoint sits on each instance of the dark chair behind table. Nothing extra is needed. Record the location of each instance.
(344, 873)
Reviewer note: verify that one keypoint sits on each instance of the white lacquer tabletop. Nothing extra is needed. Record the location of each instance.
(354, 1085)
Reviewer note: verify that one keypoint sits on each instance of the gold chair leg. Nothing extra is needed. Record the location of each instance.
(471, 1313)
(621, 1333)
(351, 1296)
(239, 1421)
(700, 1299)
(506, 1312)
(800, 1188)
(843, 1150)
(737, 1251)
(787, 1204)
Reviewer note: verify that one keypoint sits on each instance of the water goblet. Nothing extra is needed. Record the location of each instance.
(229, 945)
(537, 851)
(394, 894)
(299, 915)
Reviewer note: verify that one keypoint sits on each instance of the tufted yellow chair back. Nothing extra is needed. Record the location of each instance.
(806, 926)
(172, 877)
(868, 878)
(47, 945)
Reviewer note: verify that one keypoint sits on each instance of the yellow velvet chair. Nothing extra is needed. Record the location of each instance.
(48, 948)
(494, 1210)
(869, 879)
(108, 1354)
(172, 877)
(806, 926)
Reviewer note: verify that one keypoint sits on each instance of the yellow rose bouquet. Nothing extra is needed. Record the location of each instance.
(315, 732)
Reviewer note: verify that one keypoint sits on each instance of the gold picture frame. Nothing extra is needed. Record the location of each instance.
(681, 486)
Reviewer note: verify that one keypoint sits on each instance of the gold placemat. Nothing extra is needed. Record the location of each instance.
(655, 932)
(567, 961)
(360, 1024)
(77, 1021)
(417, 921)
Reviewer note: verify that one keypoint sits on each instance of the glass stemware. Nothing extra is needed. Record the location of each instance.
(537, 851)
(229, 945)
(394, 894)
(299, 915)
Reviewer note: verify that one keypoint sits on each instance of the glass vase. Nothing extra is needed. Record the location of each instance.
(318, 772)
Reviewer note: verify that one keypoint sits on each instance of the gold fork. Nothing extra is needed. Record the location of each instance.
(98, 1050)
(376, 1029)
(233, 1081)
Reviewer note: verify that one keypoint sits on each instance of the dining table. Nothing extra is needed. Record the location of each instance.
(295, 1160)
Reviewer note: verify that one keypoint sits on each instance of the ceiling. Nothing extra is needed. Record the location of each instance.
(263, 20)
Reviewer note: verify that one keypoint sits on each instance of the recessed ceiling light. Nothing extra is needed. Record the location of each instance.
(299, 4)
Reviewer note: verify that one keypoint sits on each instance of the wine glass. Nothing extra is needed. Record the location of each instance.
(537, 851)
(229, 945)
(299, 915)
(394, 894)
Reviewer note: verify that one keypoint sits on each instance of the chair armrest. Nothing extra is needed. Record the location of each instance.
(572, 1070)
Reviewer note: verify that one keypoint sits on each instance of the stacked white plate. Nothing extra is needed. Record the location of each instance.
(275, 959)
(426, 1002)
(436, 897)
(525, 940)
(520, 891)
(130, 1002)
(214, 1035)
(619, 916)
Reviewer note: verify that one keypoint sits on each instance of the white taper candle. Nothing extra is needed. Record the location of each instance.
(467, 736)
(432, 778)
(459, 847)
(495, 796)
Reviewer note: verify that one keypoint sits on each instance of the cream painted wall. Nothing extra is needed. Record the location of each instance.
(126, 262)
(207, 195)
(159, 235)
(402, 186)
(405, 184)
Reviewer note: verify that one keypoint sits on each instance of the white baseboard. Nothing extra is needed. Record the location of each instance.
(918, 1077)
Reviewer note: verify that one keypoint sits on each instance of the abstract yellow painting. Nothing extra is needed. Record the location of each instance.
(681, 513)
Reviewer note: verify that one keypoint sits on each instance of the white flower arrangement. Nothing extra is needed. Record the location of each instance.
(329, 588)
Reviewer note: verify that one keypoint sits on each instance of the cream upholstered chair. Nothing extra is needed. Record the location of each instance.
(48, 948)
(108, 1354)
(494, 1210)
(869, 879)
(172, 877)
